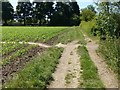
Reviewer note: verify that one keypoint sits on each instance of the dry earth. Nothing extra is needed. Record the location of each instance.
(67, 73)
(108, 77)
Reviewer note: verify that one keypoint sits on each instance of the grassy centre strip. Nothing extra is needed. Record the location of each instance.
(74, 33)
(90, 77)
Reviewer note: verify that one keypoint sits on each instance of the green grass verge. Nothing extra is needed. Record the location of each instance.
(90, 75)
(86, 28)
(38, 72)
(110, 51)
(74, 33)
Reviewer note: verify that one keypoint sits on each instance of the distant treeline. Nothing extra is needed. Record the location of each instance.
(41, 13)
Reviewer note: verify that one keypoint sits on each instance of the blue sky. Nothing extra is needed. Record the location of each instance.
(81, 3)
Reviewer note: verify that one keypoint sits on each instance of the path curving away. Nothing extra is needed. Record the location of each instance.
(67, 73)
(108, 77)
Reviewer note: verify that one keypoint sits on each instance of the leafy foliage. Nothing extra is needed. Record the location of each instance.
(108, 28)
(66, 14)
(108, 22)
(44, 13)
(24, 11)
(87, 28)
(87, 14)
(92, 8)
(7, 11)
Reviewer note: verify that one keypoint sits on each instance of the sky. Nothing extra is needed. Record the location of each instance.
(81, 3)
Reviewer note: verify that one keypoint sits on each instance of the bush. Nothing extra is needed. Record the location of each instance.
(110, 50)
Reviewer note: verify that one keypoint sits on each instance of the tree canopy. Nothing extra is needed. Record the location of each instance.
(7, 11)
(108, 20)
(43, 13)
(24, 11)
(88, 13)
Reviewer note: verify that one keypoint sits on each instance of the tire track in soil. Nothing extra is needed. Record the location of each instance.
(108, 77)
(67, 73)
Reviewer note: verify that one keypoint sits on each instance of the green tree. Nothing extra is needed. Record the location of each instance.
(24, 10)
(108, 26)
(75, 8)
(87, 14)
(108, 21)
(0, 12)
(75, 13)
(39, 11)
(49, 10)
(7, 12)
(91, 7)
(61, 14)
(66, 14)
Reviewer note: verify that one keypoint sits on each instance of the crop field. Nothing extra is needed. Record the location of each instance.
(50, 45)
(28, 63)
(33, 34)
(15, 54)
(11, 51)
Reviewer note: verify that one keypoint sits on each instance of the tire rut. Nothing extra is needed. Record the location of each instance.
(67, 73)
(108, 77)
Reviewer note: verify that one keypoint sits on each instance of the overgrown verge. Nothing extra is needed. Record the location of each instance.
(110, 50)
(74, 33)
(90, 77)
(87, 28)
(38, 72)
